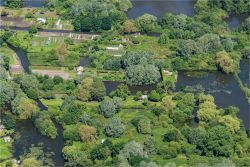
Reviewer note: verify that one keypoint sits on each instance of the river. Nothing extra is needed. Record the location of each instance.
(30, 3)
(159, 7)
(26, 133)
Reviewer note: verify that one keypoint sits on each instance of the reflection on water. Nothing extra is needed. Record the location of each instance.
(223, 87)
(244, 72)
(159, 8)
(27, 135)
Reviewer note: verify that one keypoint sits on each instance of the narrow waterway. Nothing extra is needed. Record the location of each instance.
(245, 72)
(27, 135)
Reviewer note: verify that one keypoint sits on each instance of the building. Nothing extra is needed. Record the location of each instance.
(41, 20)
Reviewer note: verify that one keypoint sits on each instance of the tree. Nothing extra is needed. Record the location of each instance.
(30, 162)
(228, 44)
(46, 127)
(142, 74)
(72, 113)
(29, 84)
(220, 141)
(114, 128)
(154, 96)
(136, 57)
(113, 63)
(24, 107)
(172, 134)
(87, 133)
(164, 38)
(198, 137)
(232, 123)
(108, 107)
(168, 103)
(209, 43)
(57, 80)
(6, 93)
(129, 27)
(83, 90)
(132, 148)
(13, 3)
(187, 48)
(146, 23)
(144, 126)
(32, 29)
(98, 90)
(207, 111)
(122, 91)
(225, 63)
(3, 74)
(71, 132)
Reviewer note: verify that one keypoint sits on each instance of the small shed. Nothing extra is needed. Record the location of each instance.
(143, 97)
(79, 70)
(103, 140)
(6, 139)
(167, 73)
(41, 20)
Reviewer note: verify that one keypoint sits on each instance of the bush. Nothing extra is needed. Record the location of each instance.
(172, 134)
(154, 96)
(108, 107)
(29, 15)
(4, 13)
(114, 128)
(32, 29)
(144, 126)
(87, 133)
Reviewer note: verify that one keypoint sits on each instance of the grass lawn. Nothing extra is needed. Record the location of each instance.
(148, 43)
(4, 50)
(5, 150)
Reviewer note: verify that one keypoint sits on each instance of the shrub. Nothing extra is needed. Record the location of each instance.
(114, 128)
(87, 133)
(154, 96)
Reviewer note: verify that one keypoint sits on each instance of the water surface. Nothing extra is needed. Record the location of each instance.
(245, 72)
(159, 7)
(223, 87)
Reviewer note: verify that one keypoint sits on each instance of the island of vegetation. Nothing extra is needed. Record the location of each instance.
(84, 85)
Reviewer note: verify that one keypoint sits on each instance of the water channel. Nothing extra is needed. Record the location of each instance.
(223, 87)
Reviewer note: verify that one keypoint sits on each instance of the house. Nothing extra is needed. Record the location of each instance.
(113, 48)
(167, 73)
(2, 127)
(6, 139)
(79, 70)
(143, 97)
(41, 20)
(103, 140)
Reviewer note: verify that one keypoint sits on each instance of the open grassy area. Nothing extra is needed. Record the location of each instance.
(149, 43)
(5, 150)
(4, 50)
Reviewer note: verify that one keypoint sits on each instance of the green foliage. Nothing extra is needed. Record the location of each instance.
(122, 91)
(225, 63)
(13, 3)
(29, 84)
(144, 126)
(115, 127)
(172, 134)
(108, 107)
(142, 74)
(32, 29)
(146, 23)
(45, 125)
(87, 133)
(154, 96)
